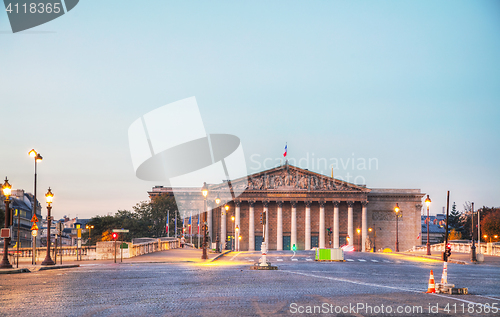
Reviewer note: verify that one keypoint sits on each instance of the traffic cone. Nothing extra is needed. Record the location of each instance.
(444, 277)
(432, 285)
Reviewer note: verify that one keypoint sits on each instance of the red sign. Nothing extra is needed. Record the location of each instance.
(34, 219)
(34, 227)
(5, 233)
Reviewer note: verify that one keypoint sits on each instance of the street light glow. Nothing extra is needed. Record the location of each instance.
(49, 196)
(32, 153)
(427, 201)
(396, 209)
(204, 190)
(6, 188)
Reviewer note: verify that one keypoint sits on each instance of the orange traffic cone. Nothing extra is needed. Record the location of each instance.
(432, 285)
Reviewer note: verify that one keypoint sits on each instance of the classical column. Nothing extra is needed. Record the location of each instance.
(321, 224)
(237, 223)
(223, 236)
(293, 238)
(336, 229)
(279, 227)
(209, 225)
(364, 226)
(350, 227)
(251, 227)
(266, 210)
(308, 226)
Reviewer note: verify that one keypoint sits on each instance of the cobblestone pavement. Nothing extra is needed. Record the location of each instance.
(154, 286)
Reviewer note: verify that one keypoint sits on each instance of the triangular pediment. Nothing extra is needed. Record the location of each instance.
(291, 178)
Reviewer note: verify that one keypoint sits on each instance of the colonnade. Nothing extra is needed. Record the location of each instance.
(307, 225)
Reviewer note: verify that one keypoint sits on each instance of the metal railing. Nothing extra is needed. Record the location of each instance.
(485, 248)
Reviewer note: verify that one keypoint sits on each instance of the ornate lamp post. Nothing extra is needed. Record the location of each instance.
(428, 244)
(89, 228)
(224, 238)
(473, 257)
(6, 188)
(49, 197)
(204, 192)
(358, 231)
(396, 210)
(37, 158)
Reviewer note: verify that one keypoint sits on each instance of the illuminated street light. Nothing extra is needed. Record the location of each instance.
(89, 228)
(37, 158)
(359, 238)
(7, 189)
(49, 197)
(396, 210)
(428, 244)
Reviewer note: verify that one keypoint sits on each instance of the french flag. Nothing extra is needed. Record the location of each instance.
(419, 236)
(198, 224)
(284, 154)
(167, 224)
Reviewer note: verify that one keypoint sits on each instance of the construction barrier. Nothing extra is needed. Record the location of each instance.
(335, 254)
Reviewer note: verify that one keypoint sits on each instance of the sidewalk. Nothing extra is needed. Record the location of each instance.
(187, 255)
(459, 258)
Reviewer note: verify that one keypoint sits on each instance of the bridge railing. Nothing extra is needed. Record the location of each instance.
(103, 250)
(462, 247)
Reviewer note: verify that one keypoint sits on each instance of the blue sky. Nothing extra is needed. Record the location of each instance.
(412, 84)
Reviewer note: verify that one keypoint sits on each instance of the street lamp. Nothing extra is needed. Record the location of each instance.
(428, 244)
(6, 188)
(473, 257)
(89, 228)
(204, 192)
(37, 158)
(224, 240)
(49, 197)
(396, 210)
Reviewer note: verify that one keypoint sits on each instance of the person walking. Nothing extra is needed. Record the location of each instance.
(183, 241)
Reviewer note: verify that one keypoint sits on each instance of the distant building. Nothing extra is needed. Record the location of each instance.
(437, 228)
(21, 205)
(306, 209)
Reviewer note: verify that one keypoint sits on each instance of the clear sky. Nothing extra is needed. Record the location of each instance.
(412, 85)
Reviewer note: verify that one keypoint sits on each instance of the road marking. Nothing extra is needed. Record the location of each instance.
(309, 259)
(374, 261)
(489, 297)
(250, 260)
(387, 261)
(295, 259)
(349, 260)
(382, 286)
(361, 260)
(279, 260)
(234, 256)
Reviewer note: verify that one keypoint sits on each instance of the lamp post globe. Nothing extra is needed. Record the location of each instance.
(49, 196)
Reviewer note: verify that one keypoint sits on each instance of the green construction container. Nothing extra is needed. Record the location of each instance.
(329, 254)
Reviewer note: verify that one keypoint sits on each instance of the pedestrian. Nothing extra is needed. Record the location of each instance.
(183, 241)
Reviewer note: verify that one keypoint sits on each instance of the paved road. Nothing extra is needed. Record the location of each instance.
(159, 284)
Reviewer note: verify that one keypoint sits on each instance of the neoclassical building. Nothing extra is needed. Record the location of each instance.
(305, 209)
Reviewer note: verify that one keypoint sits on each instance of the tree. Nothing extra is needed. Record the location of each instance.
(490, 223)
(454, 235)
(454, 218)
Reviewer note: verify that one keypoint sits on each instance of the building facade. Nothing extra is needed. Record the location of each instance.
(304, 209)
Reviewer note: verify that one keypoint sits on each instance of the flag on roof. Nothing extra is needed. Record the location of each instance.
(284, 154)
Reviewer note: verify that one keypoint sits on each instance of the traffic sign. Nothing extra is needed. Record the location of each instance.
(120, 230)
(34, 219)
(124, 246)
(34, 226)
(5, 233)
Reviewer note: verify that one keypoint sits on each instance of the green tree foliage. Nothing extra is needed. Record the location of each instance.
(454, 221)
(148, 219)
(454, 235)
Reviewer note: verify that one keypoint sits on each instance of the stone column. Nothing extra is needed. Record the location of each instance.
(321, 224)
(209, 225)
(336, 228)
(308, 226)
(350, 227)
(293, 238)
(223, 236)
(237, 223)
(279, 227)
(251, 227)
(266, 210)
(364, 226)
